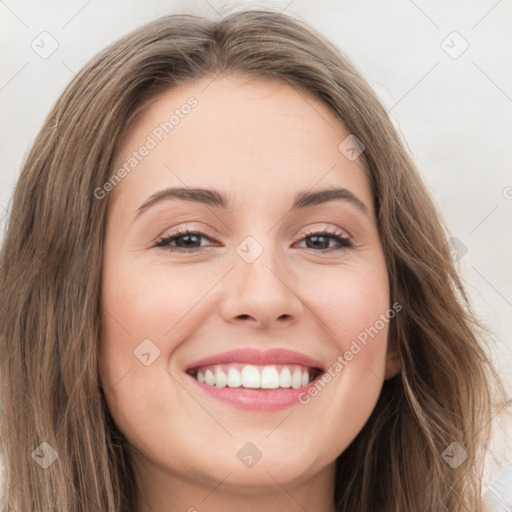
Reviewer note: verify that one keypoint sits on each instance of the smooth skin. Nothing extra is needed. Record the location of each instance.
(259, 142)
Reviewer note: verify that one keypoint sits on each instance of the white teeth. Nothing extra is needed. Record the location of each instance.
(305, 378)
(296, 379)
(234, 378)
(221, 379)
(209, 378)
(253, 377)
(269, 378)
(285, 378)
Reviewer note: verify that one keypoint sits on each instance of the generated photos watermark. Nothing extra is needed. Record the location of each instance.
(152, 140)
(355, 348)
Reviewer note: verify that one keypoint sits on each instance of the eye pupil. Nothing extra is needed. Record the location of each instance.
(189, 239)
(315, 239)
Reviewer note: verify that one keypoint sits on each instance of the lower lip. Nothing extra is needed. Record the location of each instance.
(256, 399)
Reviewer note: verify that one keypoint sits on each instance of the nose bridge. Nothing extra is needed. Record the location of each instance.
(258, 265)
(259, 285)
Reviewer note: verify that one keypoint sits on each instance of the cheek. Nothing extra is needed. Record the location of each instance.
(147, 310)
(354, 308)
(135, 308)
(347, 300)
(148, 300)
(137, 312)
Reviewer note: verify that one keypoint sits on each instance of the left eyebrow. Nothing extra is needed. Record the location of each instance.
(216, 199)
(306, 198)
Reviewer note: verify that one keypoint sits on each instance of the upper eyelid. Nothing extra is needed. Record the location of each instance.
(188, 226)
(207, 233)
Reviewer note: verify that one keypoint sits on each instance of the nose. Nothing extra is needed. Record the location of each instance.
(261, 293)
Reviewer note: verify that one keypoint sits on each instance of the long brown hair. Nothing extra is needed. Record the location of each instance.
(50, 278)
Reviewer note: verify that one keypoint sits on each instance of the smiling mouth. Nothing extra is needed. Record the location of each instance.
(256, 377)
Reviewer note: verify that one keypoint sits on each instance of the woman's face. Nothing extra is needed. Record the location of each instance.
(275, 286)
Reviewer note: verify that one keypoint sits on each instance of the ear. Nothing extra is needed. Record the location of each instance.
(393, 360)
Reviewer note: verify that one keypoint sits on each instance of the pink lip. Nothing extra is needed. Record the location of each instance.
(257, 357)
(256, 399)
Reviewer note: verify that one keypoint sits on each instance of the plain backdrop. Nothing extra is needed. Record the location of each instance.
(442, 69)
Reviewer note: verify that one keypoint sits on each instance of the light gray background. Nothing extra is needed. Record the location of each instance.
(453, 110)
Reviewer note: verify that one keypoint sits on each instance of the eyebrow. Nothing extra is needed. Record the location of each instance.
(216, 199)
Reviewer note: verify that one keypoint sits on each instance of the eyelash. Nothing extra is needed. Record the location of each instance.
(164, 242)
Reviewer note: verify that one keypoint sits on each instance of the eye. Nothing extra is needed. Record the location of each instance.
(190, 241)
(321, 239)
(185, 240)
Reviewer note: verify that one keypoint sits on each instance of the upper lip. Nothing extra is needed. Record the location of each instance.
(257, 357)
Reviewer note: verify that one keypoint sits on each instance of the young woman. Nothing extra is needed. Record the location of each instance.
(225, 287)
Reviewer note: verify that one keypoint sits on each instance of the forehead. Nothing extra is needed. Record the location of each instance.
(250, 137)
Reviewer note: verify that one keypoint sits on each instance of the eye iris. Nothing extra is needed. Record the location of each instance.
(190, 239)
(315, 239)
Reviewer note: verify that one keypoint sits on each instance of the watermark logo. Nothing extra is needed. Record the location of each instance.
(454, 45)
(45, 45)
(455, 455)
(45, 455)
(249, 455)
(351, 148)
(146, 352)
(457, 249)
(249, 249)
